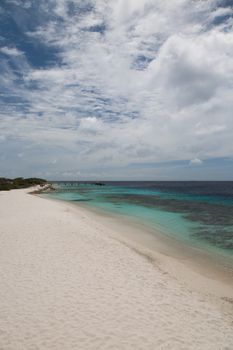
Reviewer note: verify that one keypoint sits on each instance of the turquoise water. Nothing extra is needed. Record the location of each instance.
(201, 214)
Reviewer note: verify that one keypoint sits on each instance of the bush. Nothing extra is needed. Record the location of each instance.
(20, 182)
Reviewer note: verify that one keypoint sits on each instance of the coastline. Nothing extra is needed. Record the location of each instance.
(183, 261)
(70, 281)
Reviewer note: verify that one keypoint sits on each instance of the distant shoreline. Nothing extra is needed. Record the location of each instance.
(7, 184)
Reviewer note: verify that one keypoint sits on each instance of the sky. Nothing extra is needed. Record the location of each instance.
(116, 89)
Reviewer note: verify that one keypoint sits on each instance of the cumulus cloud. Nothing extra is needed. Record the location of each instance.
(144, 81)
(196, 161)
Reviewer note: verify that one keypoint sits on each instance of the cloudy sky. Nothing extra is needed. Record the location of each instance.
(116, 89)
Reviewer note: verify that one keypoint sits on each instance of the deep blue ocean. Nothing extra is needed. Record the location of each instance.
(198, 213)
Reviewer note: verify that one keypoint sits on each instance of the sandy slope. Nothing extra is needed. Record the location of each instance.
(65, 284)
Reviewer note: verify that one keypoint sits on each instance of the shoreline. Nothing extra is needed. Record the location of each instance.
(190, 261)
(67, 283)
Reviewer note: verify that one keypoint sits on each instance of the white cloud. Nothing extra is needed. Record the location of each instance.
(137, 80)
(196, 161)
(221, 11)
(53, 161)
(11, 51)
(91, 124)
(204, 129)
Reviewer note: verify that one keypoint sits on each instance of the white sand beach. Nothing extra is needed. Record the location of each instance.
(67, 282)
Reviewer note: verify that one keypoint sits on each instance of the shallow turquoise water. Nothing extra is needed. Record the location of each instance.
(200, 214)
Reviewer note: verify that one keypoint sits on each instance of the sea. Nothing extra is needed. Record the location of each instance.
(199, 214)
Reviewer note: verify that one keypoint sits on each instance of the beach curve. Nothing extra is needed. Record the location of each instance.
(67, 284)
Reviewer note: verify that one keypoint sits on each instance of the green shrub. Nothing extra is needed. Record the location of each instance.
(19, 182)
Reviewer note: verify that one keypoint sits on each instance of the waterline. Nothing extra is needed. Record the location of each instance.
(199, 214)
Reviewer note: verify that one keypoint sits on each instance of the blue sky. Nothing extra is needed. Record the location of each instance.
(117, 89)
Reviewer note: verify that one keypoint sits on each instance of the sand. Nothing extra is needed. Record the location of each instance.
(67, 283)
